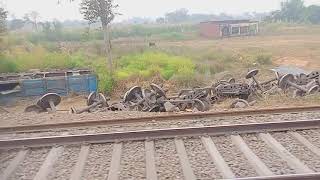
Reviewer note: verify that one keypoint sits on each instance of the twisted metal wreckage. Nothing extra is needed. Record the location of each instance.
(156, 99)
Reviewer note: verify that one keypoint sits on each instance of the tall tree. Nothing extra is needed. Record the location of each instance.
(314, 14)
(33, 18)
(293, 10)
(3, 20)
(180, 15)
(105, 12)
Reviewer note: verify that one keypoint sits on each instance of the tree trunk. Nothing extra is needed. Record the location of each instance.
(107, 44)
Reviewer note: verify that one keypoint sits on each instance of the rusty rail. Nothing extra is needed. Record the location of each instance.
(186, 116)
(161, 133)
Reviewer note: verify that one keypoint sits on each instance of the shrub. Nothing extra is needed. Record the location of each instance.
(105, 79)
(7, 65)
(264, 59)
(148, 64)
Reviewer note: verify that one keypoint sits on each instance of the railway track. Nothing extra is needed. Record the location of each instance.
(279, 150)
(160, 118)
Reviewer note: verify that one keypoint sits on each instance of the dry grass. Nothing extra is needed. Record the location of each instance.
(273, 101)
(286, 100)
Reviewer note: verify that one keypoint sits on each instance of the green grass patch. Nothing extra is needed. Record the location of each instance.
(148, 64)
(6, 65)
(21, 59)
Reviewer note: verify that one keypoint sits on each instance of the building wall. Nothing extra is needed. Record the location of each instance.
(210, 30)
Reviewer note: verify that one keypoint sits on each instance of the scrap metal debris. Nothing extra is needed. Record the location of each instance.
(94, 100)
(46, 103)
(155, 98)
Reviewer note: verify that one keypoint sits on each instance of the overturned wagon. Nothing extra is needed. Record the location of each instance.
(40, 83)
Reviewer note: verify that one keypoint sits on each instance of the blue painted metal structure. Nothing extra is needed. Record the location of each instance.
(82, 84)
(63, 85)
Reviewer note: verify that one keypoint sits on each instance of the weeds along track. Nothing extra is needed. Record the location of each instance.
(152, 119)
(282, 150)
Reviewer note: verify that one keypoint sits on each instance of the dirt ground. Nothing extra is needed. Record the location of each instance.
(297, 50)
(13, 115)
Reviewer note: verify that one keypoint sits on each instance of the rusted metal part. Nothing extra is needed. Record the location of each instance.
(94, 100)
(138, 99)
(161, 133)
(154, 100)
(118, 107)
(263, 87)
(47, 102)
(251, 75)
(34, 108)
(201, 99)
(50, 100)
(288, 81)
(239, 103)
(235, 90)
(197, 98)
(186, 116)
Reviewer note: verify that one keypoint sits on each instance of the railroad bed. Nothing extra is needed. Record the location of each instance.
(101, 125)
(279, 150)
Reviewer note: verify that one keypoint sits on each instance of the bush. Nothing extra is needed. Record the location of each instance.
(264, 59)
(150, 63)
(105, 79)
(7, 65)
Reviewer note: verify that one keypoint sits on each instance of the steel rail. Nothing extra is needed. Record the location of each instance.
(160, 134)
(186, 116)
(308, 176)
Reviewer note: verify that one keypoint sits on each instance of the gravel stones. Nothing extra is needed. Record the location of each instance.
(312, 135)
(5, 158)
(168, 165)
(15, 119)
(133, 161)
(200, 160)
(298, 150)
(31, 164)
(233, 157)
(268, 157)
(167, 160)
(209, 121)
(65, 163)
(98, 162)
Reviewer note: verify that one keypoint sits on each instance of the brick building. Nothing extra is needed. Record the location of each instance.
(228, 28)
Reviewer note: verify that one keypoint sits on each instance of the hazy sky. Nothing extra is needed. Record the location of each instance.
(50, 9)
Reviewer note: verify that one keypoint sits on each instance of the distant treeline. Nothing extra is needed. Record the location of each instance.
(295, 11)
(54, 32)
(182, 15)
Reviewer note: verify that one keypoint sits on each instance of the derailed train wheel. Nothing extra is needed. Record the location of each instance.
(199, 105)
(206, 103)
